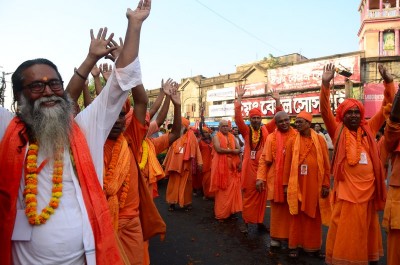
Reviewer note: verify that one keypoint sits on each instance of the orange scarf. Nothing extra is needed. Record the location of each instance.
(155, 172)
(340, 158)
(294, 194)
(220, 169)
(280, 139)
(11, 164)
(117, 177)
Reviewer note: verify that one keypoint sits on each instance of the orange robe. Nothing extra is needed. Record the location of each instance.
(178, 166)
(391, 216)
(206, 150)
(306, 205)
(270, 170)
(225, 180)
(129, 226)
(359, 190)
(254, 202)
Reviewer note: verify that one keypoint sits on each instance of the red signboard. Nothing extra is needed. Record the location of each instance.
(308, 75)
(373, 96)
(291, 105)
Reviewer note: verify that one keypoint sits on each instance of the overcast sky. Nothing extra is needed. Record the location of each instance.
(180, 38)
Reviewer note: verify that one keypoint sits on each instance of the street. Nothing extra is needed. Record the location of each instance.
(196, 238)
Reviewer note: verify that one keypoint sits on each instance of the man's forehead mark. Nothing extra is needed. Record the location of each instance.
(45, 78)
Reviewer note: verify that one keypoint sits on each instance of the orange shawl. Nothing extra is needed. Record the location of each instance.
(116, 175)
(340, 158)
(280, 139)
(294, 194)
(11, 164)
(155, 170)
(220, 169)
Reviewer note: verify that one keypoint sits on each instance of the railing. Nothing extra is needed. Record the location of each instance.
(387, 12)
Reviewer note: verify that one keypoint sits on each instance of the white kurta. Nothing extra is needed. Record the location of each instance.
(67, 237)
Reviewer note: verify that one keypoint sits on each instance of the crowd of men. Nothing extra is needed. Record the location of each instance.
(77, 185)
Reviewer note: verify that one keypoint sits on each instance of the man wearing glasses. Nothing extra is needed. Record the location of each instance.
(53, 209)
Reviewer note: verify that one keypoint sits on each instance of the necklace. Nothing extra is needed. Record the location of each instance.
(353, 155)
(255, 138)
(110, 179)
(145, 155)
(31, 181)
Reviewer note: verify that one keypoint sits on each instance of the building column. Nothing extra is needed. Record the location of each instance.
(396, 42)
(380, 43)
(380, 5)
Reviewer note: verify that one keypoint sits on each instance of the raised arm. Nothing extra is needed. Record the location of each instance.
(271, 126)
(176, 126)
(130, 52)
(243, 128)
(87, 99)
(95, 72)
(157, 103)
(378, 119)
(167, 88)
(97, 50)
(324, 99)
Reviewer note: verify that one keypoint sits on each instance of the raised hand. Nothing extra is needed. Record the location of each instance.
(240, 90)
(99, 46)
(167, 87)
(95, 71)
(141, 12)
(115, 53)
(175, 94)
(328, 74)
(275, 95)
(105, 70)
(387, 77)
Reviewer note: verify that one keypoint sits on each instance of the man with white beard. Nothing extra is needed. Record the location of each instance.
(52, 207)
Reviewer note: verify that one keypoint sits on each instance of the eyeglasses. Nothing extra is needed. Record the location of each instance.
(37, 87)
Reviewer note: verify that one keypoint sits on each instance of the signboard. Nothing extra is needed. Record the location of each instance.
(373, 96)
(221, 110)
(255, 89)
(291, 105)
(226, 93)
(308, 75)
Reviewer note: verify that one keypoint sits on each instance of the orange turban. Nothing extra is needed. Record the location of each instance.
(349, 104)
(305, 115)
(206, 129)
(185, 122)
(255, 112)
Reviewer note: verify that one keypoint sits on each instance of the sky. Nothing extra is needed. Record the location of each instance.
(180, 38)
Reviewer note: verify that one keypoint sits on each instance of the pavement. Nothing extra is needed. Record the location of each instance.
(196, 238)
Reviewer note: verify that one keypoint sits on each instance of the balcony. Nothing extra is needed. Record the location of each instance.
(384, 13)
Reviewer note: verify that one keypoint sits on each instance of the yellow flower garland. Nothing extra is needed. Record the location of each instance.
(255, 137)
(31, 181)
(145, 155)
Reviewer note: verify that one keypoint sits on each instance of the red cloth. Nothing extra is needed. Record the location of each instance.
(11, 165)
(348, 104)
(255, 112)
(305, 115)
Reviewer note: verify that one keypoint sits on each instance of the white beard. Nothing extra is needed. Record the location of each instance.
(50, 125)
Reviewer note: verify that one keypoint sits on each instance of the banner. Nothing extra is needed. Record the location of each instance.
(308, 75)
(373, 96)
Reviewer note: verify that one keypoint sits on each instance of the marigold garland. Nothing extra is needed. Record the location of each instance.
(352, 158)
(255, 137)
(110, 172)
(31, 181)
(145, 154)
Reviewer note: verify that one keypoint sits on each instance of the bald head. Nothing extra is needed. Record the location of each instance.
(282, 121)
(223, 126)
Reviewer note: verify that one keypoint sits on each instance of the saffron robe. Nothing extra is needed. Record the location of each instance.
(178, 166)
(225, 180)
(254, 202)
(308, 208)
(358, 190)
(270, 170)
(206, 155)
(391, 216)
